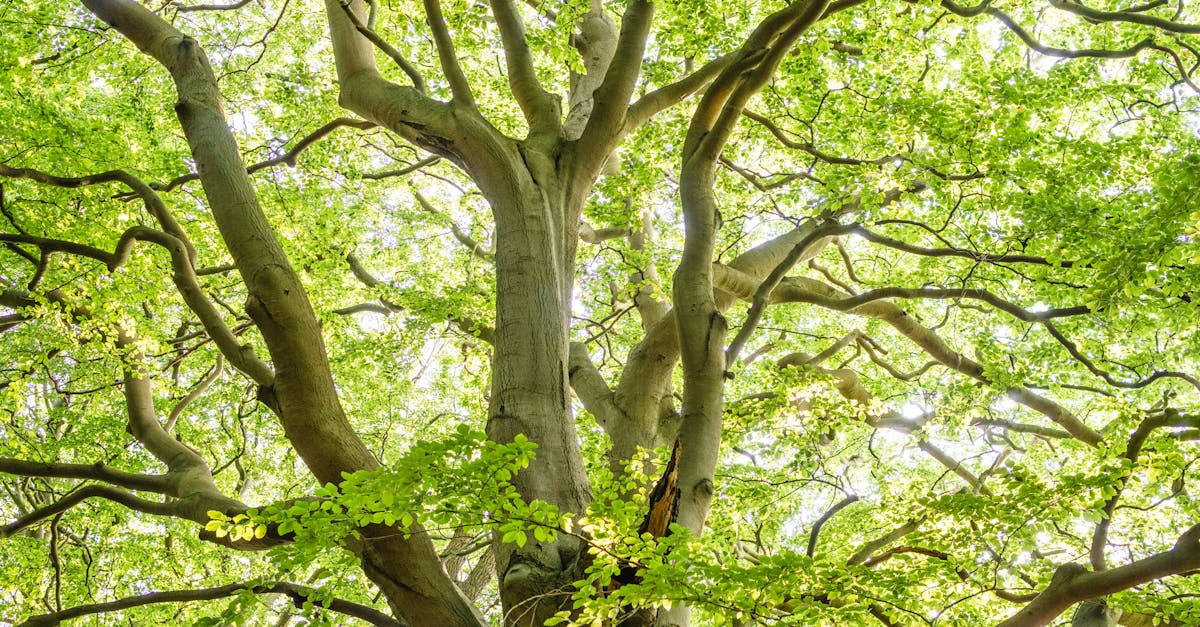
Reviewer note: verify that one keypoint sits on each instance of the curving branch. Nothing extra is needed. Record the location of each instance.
(869, 549)
(153, 202)
(463, 238)
(918, 550)
(408, 169)
(305, 397)
(1133, 448)
(760, 299)
(664, 97)
(723, 103)
(811, 149)
(853, 302)
(97, 472)
(299, 596)
(241, 355)
(1108, 378)
(289, 158)
(611, 98)
(48, 246)
(763, 292)
(447, 57)
(849, 385)
(954, 466)
(698, 321)
(190, 477)
(590, 387)
(87, 492)
(803, 289)
(388, 49)
(195, 393)
(830, 513)
(467, 325)
(883, 240)
(11, 321)
(1018, 427)
(1033, 43)
(646, 282)
(173, 239)
(868, 345)
(1072, 583)
(188, 8)
(1128, 15)
(961, 572)
(364, 308)
(540, 108)
(405, 110)
(593, 235)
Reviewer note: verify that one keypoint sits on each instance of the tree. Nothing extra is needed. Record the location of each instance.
(908, 283)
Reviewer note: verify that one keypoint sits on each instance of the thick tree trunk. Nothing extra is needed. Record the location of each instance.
(535, 235)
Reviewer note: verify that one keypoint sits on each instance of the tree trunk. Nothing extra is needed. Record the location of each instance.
(536, 232)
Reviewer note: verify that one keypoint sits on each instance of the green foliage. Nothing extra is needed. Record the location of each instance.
(462, 482)
(941, 131)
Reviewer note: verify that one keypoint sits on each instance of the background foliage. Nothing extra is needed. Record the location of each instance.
(941, 131)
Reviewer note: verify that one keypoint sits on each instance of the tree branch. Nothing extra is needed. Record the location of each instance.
(803, 289)
(539, 106)
(388, 49)
(466, 325)
(889, 242)
(1108, 378)
(849, 385)
(1127, 15)
(298, 594)
(853, 302)
(447, 57)
(153, 202)
(289, 158)
(1072, 583)
(383, 174)
(195, 393)
(242, 356)
(646, 379)
(86, 492)
(1008, 425)
(97, 472)
(830, 513)
(48, 246)
(408, 112)
(590, 387)
(759, 302)
(185, 8)
(664, 97)
(870, 548)
(1167, 418)
(593, 235)
(611, 98)
(1051, 51)
(763, 293)
(463, 238)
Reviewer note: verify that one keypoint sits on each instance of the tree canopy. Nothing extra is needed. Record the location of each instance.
(680, 313)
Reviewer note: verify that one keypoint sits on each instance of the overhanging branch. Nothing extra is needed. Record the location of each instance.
(299, 595)
(96, 472)
(82, 494)
(539, 107)
(1072, 583)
